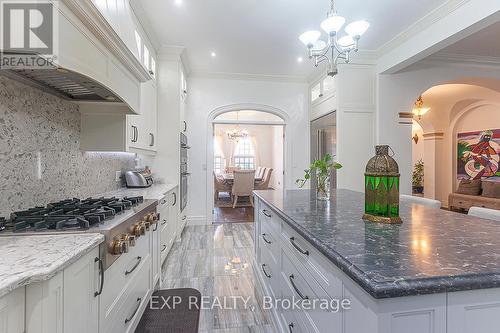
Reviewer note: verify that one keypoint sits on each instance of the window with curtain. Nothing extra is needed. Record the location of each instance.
(244, 155)
(219, 160)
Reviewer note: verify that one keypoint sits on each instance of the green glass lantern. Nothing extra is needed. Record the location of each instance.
(382, 188)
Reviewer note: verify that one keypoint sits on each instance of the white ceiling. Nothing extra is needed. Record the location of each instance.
(483, 43)
(261, 37)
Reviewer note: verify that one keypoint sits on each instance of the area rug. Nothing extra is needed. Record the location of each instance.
(172, 311)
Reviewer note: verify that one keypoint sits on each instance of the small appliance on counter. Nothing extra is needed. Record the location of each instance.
(138, 179)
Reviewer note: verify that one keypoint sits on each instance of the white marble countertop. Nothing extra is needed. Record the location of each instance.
(155, 192)
(27, 259)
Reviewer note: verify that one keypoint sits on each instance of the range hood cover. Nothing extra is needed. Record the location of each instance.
(64, 83)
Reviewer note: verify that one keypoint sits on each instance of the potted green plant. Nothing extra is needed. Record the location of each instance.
(322, 169)
(418, 177)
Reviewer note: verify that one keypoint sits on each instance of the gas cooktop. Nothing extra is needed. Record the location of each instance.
(71, 215)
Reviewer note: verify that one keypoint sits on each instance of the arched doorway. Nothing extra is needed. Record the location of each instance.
(263, 145)
(460, 112)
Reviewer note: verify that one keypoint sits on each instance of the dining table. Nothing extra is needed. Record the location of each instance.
(229, 177)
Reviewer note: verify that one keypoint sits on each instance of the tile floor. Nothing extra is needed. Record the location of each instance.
(217, 260)
(233, 215)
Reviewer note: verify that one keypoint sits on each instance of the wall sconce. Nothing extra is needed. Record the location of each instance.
(415, 138)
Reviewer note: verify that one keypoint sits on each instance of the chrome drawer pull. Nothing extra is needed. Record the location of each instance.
(266, 212)
(264, 270)
(291, 277)
(290, 328)
(139, 300)
(164, 248)
(139, 259)
(292, 240)
(164, 222)
(265, 240)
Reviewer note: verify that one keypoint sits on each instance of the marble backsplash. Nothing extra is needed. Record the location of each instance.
(40, 159)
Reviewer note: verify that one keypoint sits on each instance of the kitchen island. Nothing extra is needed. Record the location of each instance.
(437, 272)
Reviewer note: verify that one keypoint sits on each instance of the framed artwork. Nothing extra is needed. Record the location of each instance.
(479, 155)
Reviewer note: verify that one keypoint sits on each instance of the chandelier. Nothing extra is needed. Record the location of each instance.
(335, 48)
(419, 109)
(236, 133)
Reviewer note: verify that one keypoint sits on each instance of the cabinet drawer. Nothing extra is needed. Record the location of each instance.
(123, 317)
(116, 280)
(298, 284)
(167, 238)
(269, 240)
(300, 251)
(268, 218)
(270, 272)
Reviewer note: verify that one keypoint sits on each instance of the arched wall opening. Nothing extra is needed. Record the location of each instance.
(460, 113)
(253, 118)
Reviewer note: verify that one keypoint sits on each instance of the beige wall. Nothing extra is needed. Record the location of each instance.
(455, 108)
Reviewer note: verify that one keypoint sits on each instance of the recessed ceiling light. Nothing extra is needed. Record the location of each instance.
(213, 54)
(178, 2)
(300, 59)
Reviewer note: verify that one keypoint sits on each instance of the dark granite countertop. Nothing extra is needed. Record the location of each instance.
(433, 251)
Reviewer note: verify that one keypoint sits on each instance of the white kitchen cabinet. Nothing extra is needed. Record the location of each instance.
(67, 302)
(104, 129)
(44, 306)
(12, 307)
(81, 305)
(306, 273)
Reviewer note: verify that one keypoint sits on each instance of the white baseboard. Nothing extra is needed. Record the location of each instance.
(198, 220)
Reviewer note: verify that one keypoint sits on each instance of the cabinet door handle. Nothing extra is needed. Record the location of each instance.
(264, 270)
(164, 248)
(266, 212)
(290, 328)
(156, 226)
(265, 240)
(304, 252)
(291, 278)
(175, 199)
(164, 222)
(185, 126)
(152, 140)
(164, 201)
(127, 320)
(139, 259)
(101, 274)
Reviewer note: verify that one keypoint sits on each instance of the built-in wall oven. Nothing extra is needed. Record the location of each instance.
(184, 171)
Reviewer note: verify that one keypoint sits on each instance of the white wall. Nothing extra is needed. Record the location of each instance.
(208, 94)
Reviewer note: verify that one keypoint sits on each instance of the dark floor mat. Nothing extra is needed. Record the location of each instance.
(172, 311)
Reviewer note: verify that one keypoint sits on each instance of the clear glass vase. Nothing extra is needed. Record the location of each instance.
(323, 187)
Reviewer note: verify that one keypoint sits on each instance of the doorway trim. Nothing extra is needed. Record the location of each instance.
(211, 121)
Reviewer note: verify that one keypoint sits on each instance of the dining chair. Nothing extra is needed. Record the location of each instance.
(264, 184)
(220, 186)
(244, 182)
(485, 213)
(258, 172)
(422, 201)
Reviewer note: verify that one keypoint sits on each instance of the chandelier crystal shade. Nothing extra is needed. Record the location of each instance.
(334, 49)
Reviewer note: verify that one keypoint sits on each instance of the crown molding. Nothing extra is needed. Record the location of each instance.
(455, 59)
(249, 77)
(430, 18)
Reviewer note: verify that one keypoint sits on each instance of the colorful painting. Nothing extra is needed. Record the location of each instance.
(479, 155)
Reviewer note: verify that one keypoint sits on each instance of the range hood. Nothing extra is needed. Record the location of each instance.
(63, 83)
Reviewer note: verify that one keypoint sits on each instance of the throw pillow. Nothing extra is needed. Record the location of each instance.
(491, 189)
(469, 187)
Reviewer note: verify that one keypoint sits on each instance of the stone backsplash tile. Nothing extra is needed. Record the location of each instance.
(40, 159)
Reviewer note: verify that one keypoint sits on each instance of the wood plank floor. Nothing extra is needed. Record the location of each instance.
(217, 260)
(233, 215)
